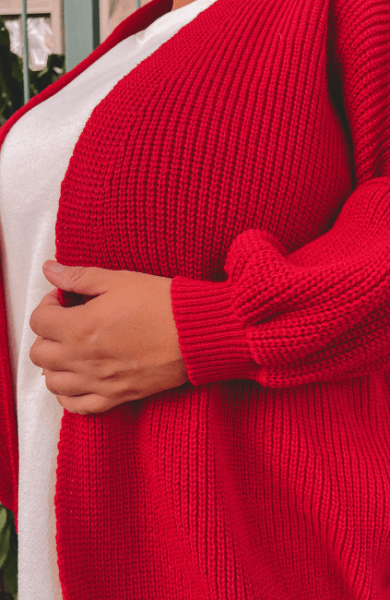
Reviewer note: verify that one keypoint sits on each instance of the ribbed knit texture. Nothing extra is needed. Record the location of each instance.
(9, 456)
(248, 158)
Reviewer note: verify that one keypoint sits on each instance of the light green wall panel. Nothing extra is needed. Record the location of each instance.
(81, 24)
(26, 88)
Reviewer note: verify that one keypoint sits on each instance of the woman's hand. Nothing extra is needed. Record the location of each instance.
(120, 346)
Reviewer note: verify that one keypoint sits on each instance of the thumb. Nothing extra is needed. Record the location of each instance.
(88, 281)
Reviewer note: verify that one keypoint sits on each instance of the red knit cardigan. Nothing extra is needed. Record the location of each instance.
(248, 158)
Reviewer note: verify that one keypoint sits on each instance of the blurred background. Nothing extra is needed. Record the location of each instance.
(58, 34)
(46, 32)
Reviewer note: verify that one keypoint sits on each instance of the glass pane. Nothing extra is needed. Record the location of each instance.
(40, 39)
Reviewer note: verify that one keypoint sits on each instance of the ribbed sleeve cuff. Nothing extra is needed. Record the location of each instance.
(211, 338)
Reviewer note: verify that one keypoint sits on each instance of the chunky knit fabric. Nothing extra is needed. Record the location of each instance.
(248, 159)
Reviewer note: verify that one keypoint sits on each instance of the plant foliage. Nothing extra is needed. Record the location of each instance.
(8, 556)
(11, 76)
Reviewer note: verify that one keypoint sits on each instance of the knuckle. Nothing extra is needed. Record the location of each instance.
(81, 333)
(33, 321)
(99, 405)
(84, 331)
(107, 372)
(60, 400)
(51, 387)
(75, 274)
(34, 356)
(78, 335)
(64, 402)
(49, 384)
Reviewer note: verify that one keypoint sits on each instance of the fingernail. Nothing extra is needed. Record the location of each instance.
(53, 266)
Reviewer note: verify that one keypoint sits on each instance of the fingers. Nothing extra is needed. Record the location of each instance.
(51, 355)
(87, 404)
(65, 383)
(51, 298)
(52, 321)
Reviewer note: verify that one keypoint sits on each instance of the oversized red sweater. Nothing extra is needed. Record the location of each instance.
(248, 159)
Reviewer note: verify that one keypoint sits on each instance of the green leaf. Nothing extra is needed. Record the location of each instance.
(16, 69)
(5, 539)
(4, 35)
(10, 573)
(9, 568)
(3, 517)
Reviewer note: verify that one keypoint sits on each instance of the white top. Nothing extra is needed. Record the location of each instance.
(33, 162)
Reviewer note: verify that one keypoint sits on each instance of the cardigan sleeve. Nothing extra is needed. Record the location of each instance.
(9, 452)
(322, 312)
